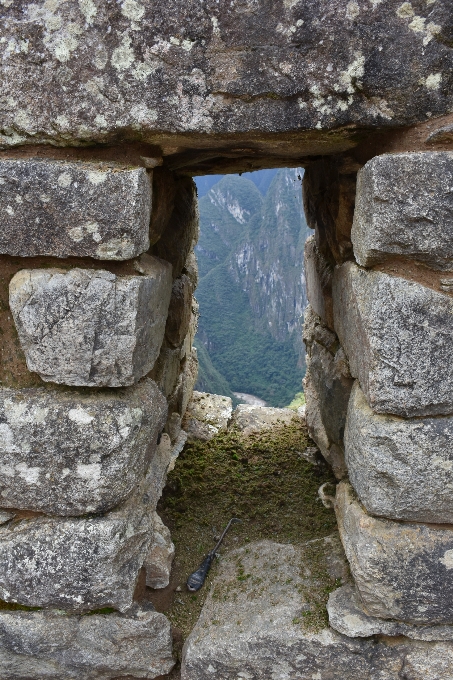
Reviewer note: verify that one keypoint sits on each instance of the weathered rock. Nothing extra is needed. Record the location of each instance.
(179, 311)
(183, 391)
(404, 206)
(206, 415)
(191, 268)
(181, 232)
(77, 564)
(167, 369)
(400, 468)
(162, 463)
(72, 453)
(90, 327)
(46, 645)
(318, 280)
(346, 616)
(253, 419)
(160, 556)
(253, 628)
(397, 336)
(164, 191)
(68, 79)
(402, 571)
(66, 208)
(327, 386)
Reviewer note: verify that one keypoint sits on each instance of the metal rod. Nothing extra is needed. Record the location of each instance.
(198, 577)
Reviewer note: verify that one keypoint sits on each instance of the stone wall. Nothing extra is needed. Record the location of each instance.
(97, 337)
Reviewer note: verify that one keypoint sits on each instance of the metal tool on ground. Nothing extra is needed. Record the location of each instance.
(196, 580)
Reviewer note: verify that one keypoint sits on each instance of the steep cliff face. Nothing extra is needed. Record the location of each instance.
(252, 286)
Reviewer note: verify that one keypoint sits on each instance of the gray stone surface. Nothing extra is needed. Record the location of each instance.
(49, 645)
(400, 468)
(77, 564)
(253, 419)
(179, 311)
(206, 415)
(346, 616)
(160, 556)
(402, 571)
(397, 336)
(192, 68)
(65, 208)
(90, 327)
(253, 629)
(318, 280)
(72, 452)
(327, 386)
(404, 206)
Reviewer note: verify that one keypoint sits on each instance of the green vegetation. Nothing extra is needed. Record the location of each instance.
(299, 400)
(251, 289)
(262, 479)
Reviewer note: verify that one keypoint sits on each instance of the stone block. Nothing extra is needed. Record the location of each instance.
(179, 311)
(72, 452)
(181, 231)
(64, 208)
(90, 327)
(206, 415)
(397, 336)
(253, 419)
(400, 468)
(318, 280)
(404, 206)
(51, 645)
(346, 616)
(167, 369)
(160, 556)
(77, 564)
(402, 571)
(327, 386)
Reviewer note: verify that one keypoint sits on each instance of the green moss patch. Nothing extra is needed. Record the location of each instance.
(262, 479)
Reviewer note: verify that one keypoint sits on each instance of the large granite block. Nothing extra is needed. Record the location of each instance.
(72, 452)
(76, 564)
(402, 571)
(397, 336)
(90, 327)
(404, 206)
(63, 208)
(50, 645)
(160, 557)
(400, 468)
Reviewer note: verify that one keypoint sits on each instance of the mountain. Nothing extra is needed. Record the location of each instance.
(252, 286)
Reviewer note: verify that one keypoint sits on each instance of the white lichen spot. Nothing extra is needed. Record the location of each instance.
(351, 75)
(95, 177)
(352, 10)
(80, 416)
(175, 41)
(405, 10)
(285, 67)
(432, 29)
(62, 121)
(29, 474)
(9, 210)
(22, 119)
(91, 473)
(299, 23)
(115, 249)
(92, 228)
(132, 10)
(187, 45)
(447, 559)
(88, 9)
(430, 2)
(123, 56)
(143, 71)
(76, 234)
(215, 26)
(433, 81)
(18, 198)
(302, 103)
(7, 438)
(100, 121)
(64, 180)
(8, 471)
(142, 114)
(65, 472)
(417, 24)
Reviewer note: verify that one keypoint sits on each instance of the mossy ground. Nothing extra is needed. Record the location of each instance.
(263, 479)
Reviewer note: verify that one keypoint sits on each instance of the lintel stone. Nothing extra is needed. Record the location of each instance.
(397, 336)
(63, 208)
(90, 327)
(402, 571)
(72, 452)
(404, 206)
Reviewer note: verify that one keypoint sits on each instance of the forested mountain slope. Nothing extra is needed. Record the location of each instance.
(252, 285)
